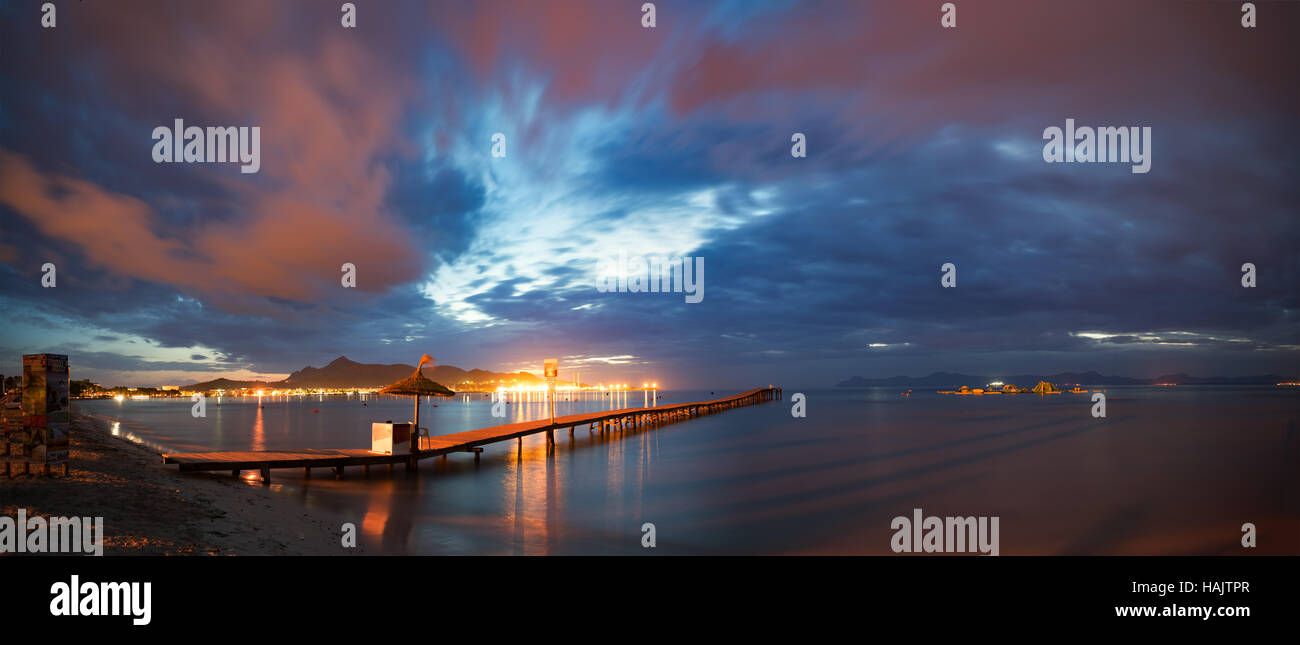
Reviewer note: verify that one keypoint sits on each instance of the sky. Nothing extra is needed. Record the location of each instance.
(924, 146)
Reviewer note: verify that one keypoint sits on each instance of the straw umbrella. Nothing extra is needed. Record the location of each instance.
(417, 385)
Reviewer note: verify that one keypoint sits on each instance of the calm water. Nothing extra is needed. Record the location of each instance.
(1170, 470)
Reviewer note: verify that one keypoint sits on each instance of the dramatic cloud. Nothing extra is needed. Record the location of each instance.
(924, 147)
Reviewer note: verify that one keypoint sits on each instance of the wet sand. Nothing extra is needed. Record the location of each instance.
(150, 509)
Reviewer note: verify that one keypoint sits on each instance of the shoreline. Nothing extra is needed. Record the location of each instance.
(151, 509)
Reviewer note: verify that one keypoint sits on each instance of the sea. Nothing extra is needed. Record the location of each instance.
(1168, 470)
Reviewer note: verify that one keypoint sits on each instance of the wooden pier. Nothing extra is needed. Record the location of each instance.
(470, 441)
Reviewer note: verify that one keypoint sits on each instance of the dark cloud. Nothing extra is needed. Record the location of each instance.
(924, 148)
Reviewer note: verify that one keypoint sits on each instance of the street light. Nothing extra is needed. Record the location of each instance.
(552, 370)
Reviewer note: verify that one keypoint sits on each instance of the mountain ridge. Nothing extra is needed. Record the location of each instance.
(344, 372)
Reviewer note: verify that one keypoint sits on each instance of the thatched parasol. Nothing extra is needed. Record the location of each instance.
(417, 385)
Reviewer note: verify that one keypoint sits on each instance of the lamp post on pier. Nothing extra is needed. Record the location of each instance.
(552, 370)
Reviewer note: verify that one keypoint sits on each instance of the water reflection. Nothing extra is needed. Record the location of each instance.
(259, 429)
(375, 523)
(752, 480)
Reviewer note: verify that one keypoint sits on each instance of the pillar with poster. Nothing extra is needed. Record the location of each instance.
(552, 369)
(43, 440)
(11, 428)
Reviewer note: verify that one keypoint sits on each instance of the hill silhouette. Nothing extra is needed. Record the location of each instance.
(343, 372)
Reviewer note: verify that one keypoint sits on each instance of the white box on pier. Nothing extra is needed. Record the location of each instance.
(390, 438)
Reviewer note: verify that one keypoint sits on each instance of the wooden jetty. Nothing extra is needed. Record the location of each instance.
(471, 441)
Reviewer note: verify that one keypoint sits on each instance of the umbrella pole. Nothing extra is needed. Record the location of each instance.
(415, 431)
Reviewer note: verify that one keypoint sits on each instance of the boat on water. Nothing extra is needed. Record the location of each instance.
(1044, 387)
(1004, 388)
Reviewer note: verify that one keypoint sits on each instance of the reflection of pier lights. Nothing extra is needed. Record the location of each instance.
(460, 442)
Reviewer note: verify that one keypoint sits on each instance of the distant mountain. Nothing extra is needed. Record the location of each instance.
(936, 379)
(1081, 378)
(344, 373)
(943, 379)
(226, 384)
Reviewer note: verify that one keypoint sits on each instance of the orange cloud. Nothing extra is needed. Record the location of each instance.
(285, 248)
(328, 110)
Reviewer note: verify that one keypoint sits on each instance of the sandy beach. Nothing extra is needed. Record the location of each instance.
(150, 509)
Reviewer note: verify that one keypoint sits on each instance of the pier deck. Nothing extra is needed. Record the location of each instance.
(468, 441)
